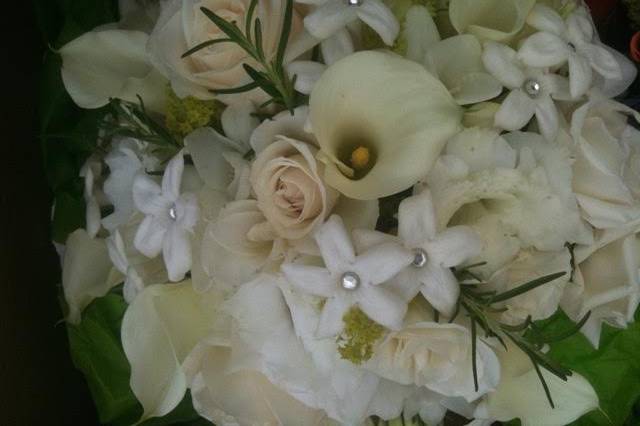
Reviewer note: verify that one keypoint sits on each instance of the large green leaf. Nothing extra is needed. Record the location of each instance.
(613, 370)
(96, 351)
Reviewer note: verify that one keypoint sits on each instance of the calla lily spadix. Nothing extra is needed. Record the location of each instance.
(381, 121)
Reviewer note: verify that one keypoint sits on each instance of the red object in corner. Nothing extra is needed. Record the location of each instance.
(600, 9)
(634, 47)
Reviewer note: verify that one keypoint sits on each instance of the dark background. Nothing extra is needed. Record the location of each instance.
(38, 383)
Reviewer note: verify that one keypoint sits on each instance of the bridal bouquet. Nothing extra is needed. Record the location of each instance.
(321, 212)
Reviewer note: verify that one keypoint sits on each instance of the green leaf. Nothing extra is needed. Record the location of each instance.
(97, 352)
(286, 32)
(524, 288)
(613, 370)
(204, 45)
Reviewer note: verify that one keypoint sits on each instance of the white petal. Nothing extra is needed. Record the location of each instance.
(454, 246)
(544, 18)
(603, 61)
(440, 288)
(147, 196)
(310, 279)
(613, 88)
(477, 87)
(417, 219)
(86, 272)
(238, 122)
(176, 251)
(547, 116)
(117, 254)
(516, 111)
(306, 74)
(100, 65)
(580, 75)
(206, 147)
(331, 319)
(579, 29)
(520, 395)
(420, 32)
(173, 177)
(544, 50)
(149, 237)
(498, 20)
(93, 217)
(329, 18)
(500, 61)
(378, 16)
(383, 262)
(336, 47)
(382, 306)
(159, 330)
(335, 245)
(283, 124)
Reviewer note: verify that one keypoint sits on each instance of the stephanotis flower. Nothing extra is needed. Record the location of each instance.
(533, 91)
(91, 169)
(170, 217)
(133, 283)
(331, 17)
(349, 279)
(572, 41)
(434, 252)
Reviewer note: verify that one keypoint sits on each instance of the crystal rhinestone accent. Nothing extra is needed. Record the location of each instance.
(350, 281)
(532, 88)
(173, 214)
(354, 2)
(420, 258)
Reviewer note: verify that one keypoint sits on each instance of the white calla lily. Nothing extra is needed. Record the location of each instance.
(496, 20)
(159, 330)
(371, 112)
(100, 65)
(520, 395)
(87, 272)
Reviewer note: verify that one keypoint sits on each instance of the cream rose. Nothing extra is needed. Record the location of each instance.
(182, 26)
(290, 192)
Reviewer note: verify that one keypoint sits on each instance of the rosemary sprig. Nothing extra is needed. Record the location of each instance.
(480, 306)
(271, 75)
(128, 119)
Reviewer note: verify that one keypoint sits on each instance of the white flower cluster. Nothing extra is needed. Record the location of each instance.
(254, 264)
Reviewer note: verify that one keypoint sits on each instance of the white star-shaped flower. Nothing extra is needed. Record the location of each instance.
(572, 41)
(330, 19)
(91, 170)
(434, 253)
(349, 279)
(170, 218)
(133, 284)
(533, 91)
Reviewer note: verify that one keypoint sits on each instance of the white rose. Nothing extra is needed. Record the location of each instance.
(182, 25)
(606, 282)
(437, 356)
(286, 179)
(607, 167)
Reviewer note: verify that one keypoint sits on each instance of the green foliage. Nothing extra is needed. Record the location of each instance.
(613, 370)
(67, 133)
(97, 352)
